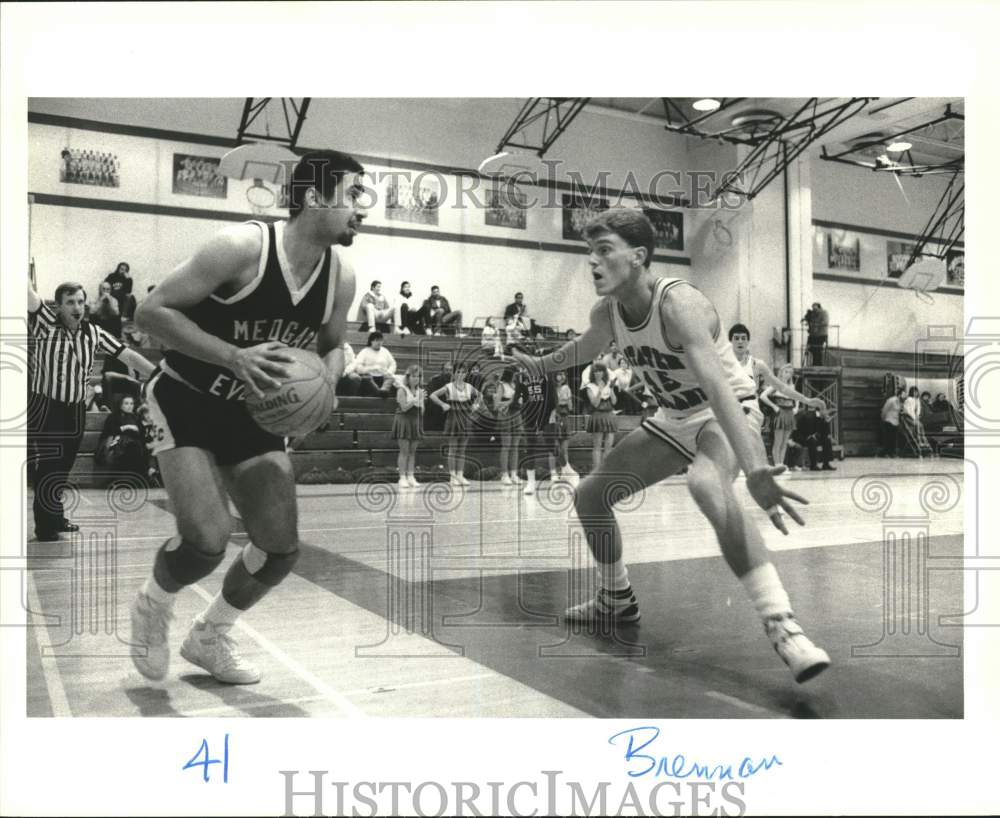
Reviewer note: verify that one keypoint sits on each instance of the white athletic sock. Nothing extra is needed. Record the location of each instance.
(152, 589)
(614, 576)
(220, 612)
(531, 477)
(766, 591)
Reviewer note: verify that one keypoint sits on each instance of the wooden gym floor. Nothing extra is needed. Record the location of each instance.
(425, 604)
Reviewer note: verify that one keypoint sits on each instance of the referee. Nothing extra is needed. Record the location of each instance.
(63, 349)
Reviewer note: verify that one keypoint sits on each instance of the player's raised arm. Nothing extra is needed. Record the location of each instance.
(227, 261)
(693, 323)
(584, 347)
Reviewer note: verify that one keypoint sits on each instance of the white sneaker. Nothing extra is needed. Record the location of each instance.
(803, 658)
(453, 480)
(428, 332)
(404, 483)
(413, 482)
(211, 647)
(602, 608)
(517, 481)
(151, 631)
(404, 332)
(505, 480)
(530, 488)
(464, 480)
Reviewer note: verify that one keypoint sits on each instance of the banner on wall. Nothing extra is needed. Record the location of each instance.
(79, 166)
(669, 227)
(843, 251)
(415, 201)
(198, 176)
(506, 206)
(956, 268)
(577, 211)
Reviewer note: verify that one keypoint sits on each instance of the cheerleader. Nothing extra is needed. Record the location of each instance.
(601, 423)
(506, 408)
(462, 399)
(783, 423)
(561, 469)
(406, 424)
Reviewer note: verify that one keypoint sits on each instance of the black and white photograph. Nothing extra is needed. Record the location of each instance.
(199, 176)
(349, 502)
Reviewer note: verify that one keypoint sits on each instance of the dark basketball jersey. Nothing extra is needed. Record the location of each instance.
(266, 309)
(537, 400)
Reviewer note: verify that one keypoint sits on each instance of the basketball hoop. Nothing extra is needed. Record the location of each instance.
(261, 197)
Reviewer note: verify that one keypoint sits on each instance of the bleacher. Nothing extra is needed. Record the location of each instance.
(357, 438)
(861, 392)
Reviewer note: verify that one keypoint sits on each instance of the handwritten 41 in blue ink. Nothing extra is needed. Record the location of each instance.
(197, 760)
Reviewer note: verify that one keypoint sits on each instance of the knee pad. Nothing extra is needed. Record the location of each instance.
(187, 564)
(274, 567)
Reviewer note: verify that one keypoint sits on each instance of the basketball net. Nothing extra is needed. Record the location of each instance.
(260, 197)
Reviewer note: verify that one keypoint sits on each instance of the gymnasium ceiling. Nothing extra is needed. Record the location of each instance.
(885, 116)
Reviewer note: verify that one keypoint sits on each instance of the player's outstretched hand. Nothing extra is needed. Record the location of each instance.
(772, 497)
(261, 365)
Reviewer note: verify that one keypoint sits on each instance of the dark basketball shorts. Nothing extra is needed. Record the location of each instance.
(185, 417)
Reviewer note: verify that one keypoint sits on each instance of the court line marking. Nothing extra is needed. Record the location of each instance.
(742, 705)
(51, 676)
(347, 707)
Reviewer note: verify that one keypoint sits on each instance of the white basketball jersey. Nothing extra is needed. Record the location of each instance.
(664, 367)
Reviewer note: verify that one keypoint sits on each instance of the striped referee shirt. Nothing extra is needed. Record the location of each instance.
(61, 361)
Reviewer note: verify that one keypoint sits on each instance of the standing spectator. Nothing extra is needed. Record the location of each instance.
(406, 424)
(818, 322)
(506, 408)
(813, 428)
(783, 423)
(433, 416)
(61, 360)
(372, 369)
(911, 427)
(438, 314)
(375, 311)
(122, 445)
(562, 470)
(490, 339)
(517, 313)
(105, 311)
(601, 422)
(409, 317)
(462, 400)
(121, 289)
(890, 424)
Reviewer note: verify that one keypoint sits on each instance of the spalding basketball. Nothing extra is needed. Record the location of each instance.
(301, 404)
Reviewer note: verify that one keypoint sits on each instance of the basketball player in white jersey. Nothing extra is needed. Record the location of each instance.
(708, 419)
(226, 314)
(760, 372)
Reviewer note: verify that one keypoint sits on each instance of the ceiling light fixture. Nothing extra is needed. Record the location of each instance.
(899, 147)
(707, 104)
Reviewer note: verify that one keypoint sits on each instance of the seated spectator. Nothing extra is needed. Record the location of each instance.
(517, 313)
(120, 282)
(570, 334)
(409, 317)
(439, 315)
(812, 430)
(122, 445)
(490, 340)
(375, 312)
(347, 386)
(372, 369)
(105, 311)
(940, 404)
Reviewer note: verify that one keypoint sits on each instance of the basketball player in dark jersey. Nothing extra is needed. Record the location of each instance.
(708, 420)
(537, 400)
(226, 315)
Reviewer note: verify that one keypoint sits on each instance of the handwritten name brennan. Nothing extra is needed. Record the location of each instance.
(639, 763)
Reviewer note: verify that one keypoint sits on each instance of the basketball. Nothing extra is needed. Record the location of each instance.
(301, 404)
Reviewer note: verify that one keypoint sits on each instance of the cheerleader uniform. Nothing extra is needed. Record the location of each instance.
(406, 424)
(602, 419)
(562, 412)
(456, 421)
(785, 419)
